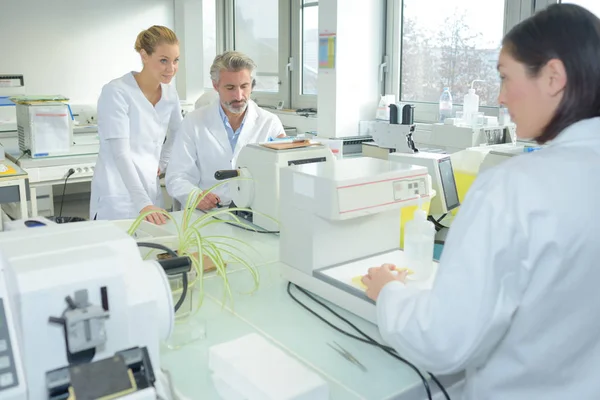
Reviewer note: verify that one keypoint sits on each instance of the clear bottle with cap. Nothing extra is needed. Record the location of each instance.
(419, 239)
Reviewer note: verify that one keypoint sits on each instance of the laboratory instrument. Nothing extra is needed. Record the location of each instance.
(451, 137)
(439, 167)
(45, 129)
(81, 314)
(396, 139)
(338, 219)
(259, 167)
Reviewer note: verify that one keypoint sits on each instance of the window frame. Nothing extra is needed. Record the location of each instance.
(264, 98)
(427, 112)
(298, 99)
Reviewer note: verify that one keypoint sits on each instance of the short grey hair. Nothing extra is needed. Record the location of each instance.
(233, 61)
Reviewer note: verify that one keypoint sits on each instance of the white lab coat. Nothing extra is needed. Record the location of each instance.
(515, 302)
(124, 112)
(202, 147)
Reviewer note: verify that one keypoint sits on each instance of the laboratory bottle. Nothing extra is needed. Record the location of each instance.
(445, 105)
(471, 104)
(419, 238)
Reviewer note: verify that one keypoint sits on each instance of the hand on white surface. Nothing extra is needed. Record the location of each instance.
(209, 202)
(378, 277)
(155, 218)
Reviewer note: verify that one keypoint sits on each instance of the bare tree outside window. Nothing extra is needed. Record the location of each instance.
(451, 47)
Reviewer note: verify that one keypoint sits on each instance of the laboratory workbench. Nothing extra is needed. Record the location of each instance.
(272, 313)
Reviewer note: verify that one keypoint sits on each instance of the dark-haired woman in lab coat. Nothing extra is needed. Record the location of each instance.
(515, 302)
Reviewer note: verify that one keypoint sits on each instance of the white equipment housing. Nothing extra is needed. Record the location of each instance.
(399, 138)
(452, 138)
(44, 129)
(338, 219)
(262, 166)
(439, 167)
(122, 303)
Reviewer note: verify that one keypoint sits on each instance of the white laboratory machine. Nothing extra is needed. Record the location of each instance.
(44, 129)
(439, 167)
(452, 138)
(338, 219)
(394, 142)
(260, 167)
(81, 315)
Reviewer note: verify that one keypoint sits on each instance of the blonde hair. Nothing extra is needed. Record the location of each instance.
(155, 35)
(231, 61)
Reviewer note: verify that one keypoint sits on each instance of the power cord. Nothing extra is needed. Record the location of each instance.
(183, 276)
(365, 339)
(22, 154)
(62, 200)
(438, 222)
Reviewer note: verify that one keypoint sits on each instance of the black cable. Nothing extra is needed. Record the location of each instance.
(62, 200)
(22, 154)
(238, 225)
(436, 223)
(172, 253)
(369, 340)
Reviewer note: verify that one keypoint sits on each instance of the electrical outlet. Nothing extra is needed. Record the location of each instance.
(7, 81)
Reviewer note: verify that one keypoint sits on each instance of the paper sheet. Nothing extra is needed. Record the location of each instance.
(51, 129)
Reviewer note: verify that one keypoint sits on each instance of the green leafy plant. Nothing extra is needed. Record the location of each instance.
(194, 243)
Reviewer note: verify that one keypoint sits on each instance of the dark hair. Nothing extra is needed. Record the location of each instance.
(571, 34)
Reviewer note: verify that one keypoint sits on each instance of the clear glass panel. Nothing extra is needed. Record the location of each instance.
(451, 47)
(257, 35)
(209, 37)
(310, 49)
(592, 5)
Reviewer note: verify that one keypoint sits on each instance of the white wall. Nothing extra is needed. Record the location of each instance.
(74, 47)
(349, 93)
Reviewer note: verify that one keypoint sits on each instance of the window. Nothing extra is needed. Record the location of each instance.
(310, 46)
(256, 33)
(592, 5)
(209, 37)
(450, 47)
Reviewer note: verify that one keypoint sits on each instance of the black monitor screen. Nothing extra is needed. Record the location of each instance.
(449, 184)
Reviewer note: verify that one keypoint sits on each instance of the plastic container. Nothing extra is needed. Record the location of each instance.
(419, 239)
(445, 105)
(471, 104)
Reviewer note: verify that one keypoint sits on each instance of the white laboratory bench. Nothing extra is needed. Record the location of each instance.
(46, 172)
(271, 312)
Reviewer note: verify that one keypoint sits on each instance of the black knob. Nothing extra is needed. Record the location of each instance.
(226, 174)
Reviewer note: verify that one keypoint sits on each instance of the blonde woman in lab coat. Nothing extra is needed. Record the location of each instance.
(135, 112)
(515, 302)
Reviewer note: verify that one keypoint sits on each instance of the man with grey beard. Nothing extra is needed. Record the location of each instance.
(211, 137)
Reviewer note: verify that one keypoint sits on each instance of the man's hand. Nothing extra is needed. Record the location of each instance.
(155, 218)
(378, 277)
(209, 202)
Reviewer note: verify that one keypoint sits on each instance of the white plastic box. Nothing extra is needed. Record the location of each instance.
(252, 368)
